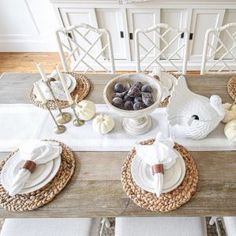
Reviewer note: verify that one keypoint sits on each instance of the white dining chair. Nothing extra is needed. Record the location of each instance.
(160, 226)
(230, 225)
(50, 227)
(219, 51)
(161, 46)
(86, 49)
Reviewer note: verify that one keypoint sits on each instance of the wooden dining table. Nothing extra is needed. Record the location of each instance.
(95, 189)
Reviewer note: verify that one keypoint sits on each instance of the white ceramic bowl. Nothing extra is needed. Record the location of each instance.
(135, 122)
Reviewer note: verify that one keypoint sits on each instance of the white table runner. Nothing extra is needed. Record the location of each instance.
(20, 122)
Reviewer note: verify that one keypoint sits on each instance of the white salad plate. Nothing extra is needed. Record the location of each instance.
(143, 177)
(70, 82)
(42, 175)
(57, 88)
(56, 166)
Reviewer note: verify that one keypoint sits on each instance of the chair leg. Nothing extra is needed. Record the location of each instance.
(104, 223)
(215, 220)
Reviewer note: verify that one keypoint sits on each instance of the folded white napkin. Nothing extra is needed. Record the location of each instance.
(40, 152)
(160, 152)
(56, 87)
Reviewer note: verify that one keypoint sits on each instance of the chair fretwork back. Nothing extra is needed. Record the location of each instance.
(219, 52)
(167, 48)
(86, 49)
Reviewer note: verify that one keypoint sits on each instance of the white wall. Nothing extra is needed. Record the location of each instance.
(27, 25)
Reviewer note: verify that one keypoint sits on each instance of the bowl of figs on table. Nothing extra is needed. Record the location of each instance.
(133, 96)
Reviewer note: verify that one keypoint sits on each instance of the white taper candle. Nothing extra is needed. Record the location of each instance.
(41, 71)
(63, 82)
(40, 93)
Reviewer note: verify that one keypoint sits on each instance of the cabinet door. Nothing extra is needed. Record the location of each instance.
(113, 20)
(202, 19)
(176, 18)
(229, 17)
(142, 19)
(76, 16)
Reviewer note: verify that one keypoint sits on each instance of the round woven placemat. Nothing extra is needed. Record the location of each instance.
(167, 201)
(231, 87)
(81, 90)
(39, 198)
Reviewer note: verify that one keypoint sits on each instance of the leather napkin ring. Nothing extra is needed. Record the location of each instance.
(30, 166)
(158, 168)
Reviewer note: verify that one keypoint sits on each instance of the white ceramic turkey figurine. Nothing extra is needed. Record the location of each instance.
(191, 115)
(103, 123)
(85, 110)
(160, 156)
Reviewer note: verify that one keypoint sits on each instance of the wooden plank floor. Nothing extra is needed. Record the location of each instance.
(25, 62)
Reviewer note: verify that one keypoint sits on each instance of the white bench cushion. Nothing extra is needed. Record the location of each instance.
(230, 225)
(51, 227)
(160, 226)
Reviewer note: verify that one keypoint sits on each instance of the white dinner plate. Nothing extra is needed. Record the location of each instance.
(56, 166)
(70, 82)
(42, 175)
(57, 88)
(13, 165)
(142, 175)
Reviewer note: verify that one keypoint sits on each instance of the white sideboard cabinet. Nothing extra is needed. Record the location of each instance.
(123, 20)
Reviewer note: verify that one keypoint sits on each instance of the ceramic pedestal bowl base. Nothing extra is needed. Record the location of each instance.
(39, 198)
(167, 201)
(137, 126)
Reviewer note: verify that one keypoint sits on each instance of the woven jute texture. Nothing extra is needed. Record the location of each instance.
(39, 198)
(167, 201)
(81, 91)
(231, 87)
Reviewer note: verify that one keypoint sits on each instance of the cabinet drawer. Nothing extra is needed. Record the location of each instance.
(113, 20)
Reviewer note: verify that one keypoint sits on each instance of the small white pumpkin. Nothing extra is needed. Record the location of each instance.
(103, 123)
(230, 112)
(230, 130)
(85, 110)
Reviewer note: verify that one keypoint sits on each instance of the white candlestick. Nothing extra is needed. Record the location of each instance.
(40, 93)
(63, 82)
(41, 71)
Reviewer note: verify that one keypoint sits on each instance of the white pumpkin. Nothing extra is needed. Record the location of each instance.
(230, 130)
(103, 123)
(230, 112)
(85, 110)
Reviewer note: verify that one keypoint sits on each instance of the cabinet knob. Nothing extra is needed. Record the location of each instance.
(122, 34)
(131, 36)
(191, 36)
